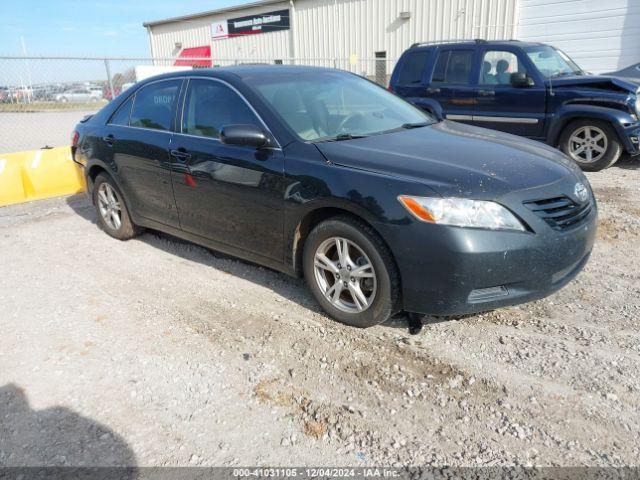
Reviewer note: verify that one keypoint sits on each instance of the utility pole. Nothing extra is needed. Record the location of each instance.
(28, 67)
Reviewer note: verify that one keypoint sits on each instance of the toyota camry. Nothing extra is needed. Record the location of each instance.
(323, 174)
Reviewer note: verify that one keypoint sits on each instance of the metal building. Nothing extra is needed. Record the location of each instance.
(367, 36)
(359, 35)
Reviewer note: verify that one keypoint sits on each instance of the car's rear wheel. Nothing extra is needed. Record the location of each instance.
(351, 272)
(592, 144)
(113, 216)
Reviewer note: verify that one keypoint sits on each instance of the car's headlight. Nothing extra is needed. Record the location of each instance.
(461, 212)
(638, 104)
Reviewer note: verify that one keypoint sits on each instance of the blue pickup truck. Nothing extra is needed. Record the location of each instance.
(528, 89)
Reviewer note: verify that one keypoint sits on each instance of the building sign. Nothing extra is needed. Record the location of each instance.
(219, 30)
(262, 23)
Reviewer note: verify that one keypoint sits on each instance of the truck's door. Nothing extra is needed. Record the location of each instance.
(410, 80)
(503, 106)
(451, 82)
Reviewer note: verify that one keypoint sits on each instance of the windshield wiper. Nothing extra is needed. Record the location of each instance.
(563, 74)
(415, 125)
(344, 136)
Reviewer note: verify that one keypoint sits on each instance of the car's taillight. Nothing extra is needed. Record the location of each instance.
(74, 138)
(390, 88)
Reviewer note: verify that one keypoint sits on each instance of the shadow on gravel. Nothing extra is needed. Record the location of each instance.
(292, 289)
(628, 162)
(56, 437)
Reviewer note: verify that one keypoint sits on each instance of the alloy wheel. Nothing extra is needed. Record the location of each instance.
(587, 144)
(109, 206)
(345, 275)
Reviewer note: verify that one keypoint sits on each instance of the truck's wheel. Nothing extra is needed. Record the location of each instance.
(592, 144)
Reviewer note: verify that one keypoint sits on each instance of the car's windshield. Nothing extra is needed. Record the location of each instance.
(551, 62)
(325, 105)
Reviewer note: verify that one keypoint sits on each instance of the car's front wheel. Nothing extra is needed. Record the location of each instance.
(113, 215)
(592, 144)
(351, 272)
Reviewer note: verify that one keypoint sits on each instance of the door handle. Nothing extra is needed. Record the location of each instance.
(433, 90)
(109, 139)
(180, 155)
(487, 93)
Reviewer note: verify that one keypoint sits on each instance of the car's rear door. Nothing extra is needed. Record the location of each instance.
(138, 145)
(451, 82)
(503, 106)
(230, 194)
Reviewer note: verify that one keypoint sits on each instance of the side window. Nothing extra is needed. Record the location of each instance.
(153, 105)
(453, 66)
(497, 67)
(121, 117)
(413, 67)
(211, 105)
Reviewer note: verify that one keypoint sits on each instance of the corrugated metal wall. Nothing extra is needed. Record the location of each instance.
(197, 32)
(600, 35)
(338, 29)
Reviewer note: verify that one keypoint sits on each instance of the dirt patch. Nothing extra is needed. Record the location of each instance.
(195, 358)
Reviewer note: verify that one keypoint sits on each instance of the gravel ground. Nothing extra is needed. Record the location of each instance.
(158, 352)
(33, 130)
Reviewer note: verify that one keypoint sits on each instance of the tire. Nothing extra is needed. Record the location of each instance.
(381, 291)
(581, 138)
(103, 188)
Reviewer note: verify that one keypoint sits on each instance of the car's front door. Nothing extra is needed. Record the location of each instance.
(451, 83)
(502, 106)
(137, 139)
(230, 194)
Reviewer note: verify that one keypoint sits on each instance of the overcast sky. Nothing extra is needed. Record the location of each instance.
(88, 27)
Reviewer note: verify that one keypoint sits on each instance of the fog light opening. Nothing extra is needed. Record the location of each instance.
(485, 294)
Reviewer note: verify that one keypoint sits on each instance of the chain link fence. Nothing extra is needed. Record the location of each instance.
(42, 98)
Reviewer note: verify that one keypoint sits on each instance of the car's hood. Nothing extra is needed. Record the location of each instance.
(455, 159)
(606, 82)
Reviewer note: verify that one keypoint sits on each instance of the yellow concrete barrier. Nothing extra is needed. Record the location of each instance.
(37, 174)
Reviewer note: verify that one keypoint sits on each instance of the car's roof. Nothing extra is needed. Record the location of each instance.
(249, 70)
(493, 43)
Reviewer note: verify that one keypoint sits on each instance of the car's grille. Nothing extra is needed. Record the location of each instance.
(561, 213)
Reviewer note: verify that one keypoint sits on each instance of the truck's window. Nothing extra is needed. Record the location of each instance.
(497, 67)
(413, 67)
(453, 66)
(551, 62)
(153, 105)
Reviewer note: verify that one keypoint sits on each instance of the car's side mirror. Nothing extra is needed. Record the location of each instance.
(521, 80)
(245, 135)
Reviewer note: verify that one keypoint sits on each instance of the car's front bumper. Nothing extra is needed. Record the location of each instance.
(455, 271)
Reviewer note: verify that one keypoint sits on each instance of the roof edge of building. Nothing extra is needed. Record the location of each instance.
(192, 16)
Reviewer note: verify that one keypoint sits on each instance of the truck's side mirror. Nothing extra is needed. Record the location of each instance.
(521, 80)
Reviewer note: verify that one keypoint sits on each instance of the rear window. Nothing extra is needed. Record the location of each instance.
(121, 117)
(153, 105)
(413, 67)
(453, 66)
